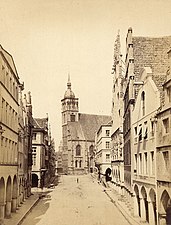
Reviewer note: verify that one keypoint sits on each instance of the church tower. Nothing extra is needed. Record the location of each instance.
(69, 114)
(69, 105)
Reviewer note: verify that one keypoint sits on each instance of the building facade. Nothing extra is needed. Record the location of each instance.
(103, 149)
(140, 52)
(40, 147)
(144, 148)
(117, 162)
(78, 135)
(163, 154)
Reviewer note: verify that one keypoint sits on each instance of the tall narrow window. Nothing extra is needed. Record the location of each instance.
(135, 164)
(145, 163)
(80, 164)
(140, 163)
(107, 157)
(140, 133)
(143, 102)
(166, 159)
(152, 163)
(78, 150)
(166, 125)
(76, 163)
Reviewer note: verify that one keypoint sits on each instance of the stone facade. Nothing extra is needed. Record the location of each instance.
(40, 145)
(78, 135)
(141, 52)
(143, 148)
(103, 148)
(15, 139)
(163, 154)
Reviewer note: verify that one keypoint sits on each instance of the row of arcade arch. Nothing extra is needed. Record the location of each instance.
(145, 204)
(10, 195)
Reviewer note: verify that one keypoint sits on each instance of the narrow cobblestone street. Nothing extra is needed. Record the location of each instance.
(72, 203)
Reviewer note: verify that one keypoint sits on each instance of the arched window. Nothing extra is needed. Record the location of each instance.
(76, 163)
(80, 164)
(143, 102)
(78, 150)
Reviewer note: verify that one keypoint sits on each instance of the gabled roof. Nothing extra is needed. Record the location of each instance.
(87, 126)
(151, 52)
(40, 123)
(9, 59)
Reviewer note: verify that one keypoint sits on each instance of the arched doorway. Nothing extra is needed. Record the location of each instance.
(34, 180)
(166, 207)
(14, 194)
(144, 205)
(108, 174)
(2, 197)
(8, 198)
(137, 209)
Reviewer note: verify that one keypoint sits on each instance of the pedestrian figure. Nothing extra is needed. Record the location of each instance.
(77, 180)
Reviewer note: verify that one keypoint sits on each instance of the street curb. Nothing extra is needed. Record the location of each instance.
(129, 218)
(28, 211)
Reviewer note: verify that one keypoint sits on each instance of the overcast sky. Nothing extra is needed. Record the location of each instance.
(49, 38)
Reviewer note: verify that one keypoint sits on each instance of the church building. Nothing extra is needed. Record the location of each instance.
(78, 135)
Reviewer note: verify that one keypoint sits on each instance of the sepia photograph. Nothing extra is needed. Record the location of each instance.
(85, 112)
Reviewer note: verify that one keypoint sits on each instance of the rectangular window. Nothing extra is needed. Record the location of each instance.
(135, 134)
(152, 163)
(140, 163)
(107, 133)
(145, 163)
(107, 144)
(145, 130)
(166, 159)
(166, 125)
(107, 157)
(140, 134)
(135, 164)
(34, 136)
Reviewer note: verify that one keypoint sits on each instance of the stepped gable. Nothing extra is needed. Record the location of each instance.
(152, 52)
(91, 123)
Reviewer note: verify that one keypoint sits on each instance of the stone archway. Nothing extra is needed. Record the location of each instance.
(152, 207)
(165, 214)
(2, 198)
(8, 198)
(35, 180)
(144, 205)
(14, 194)
(137, 208)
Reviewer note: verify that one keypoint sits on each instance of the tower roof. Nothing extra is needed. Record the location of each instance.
(69, 93)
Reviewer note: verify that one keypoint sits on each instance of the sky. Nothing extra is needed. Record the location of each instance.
(50, 38)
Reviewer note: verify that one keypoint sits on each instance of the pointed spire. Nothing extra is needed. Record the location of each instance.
(69, 82)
